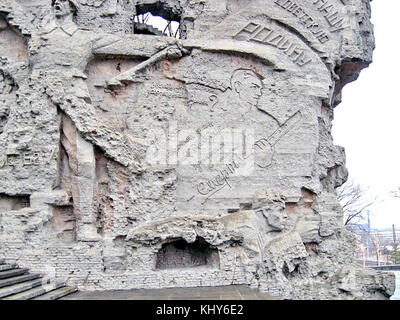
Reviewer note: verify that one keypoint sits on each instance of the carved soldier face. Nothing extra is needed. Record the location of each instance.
(248, 86)
(61, 8)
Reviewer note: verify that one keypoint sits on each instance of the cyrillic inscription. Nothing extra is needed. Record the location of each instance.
(330, 13)
(266, 35)
(328, 10)
(25, 159)
(304, 18)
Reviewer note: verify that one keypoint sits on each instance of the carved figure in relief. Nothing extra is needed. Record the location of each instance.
(242, 102)
(63, 50)
(63, 8)
(241, 98)
(248, 87)
(5, 90)
(59, 55)
(60, 52)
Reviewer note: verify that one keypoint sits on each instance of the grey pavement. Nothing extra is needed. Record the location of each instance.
(235, 292)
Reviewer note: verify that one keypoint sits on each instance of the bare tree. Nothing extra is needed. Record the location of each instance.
(354, 201)
(379, 245)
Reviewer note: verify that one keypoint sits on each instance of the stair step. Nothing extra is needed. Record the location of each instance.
(57, 294)
(20, 287)
(18, 279)
(5, 267)
(34, 292)
(2, 261)
(12, 273)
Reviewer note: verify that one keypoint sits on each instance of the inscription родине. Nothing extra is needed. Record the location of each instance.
(266, 35)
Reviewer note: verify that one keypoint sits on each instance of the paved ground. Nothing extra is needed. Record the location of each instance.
(238, 292)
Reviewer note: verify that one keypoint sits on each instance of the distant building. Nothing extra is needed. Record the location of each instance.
(386, 235)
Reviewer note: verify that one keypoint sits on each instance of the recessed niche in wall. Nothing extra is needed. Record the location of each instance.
(181, 254)
(9, 203)
(18, 51)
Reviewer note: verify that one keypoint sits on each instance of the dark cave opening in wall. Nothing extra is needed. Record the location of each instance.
(181, 254)
(9, 203)
(157, 19)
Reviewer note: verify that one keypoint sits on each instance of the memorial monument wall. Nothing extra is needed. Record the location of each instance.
(130, 159)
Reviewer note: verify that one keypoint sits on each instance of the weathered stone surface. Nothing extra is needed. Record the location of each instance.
(145, 161)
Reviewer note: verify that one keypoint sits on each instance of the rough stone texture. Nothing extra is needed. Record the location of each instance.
(144, 161)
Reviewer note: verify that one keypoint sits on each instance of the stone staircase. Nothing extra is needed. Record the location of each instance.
(19, 284)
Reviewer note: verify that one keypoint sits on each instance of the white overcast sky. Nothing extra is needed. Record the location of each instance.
(367, 122)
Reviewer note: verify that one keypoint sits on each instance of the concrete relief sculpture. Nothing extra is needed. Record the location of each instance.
(150, 161)
(7, 88)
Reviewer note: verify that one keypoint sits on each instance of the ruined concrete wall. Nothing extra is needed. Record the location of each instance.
(139, 161)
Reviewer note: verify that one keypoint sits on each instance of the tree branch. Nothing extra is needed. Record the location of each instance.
(354, 202)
